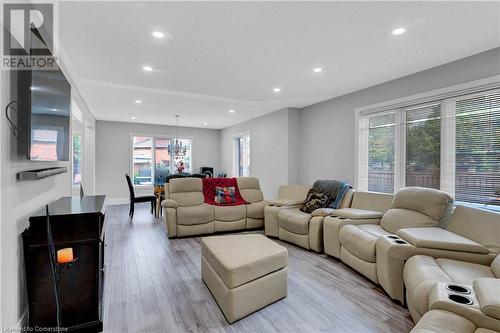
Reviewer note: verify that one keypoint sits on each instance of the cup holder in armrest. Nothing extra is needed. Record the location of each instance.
(460, 299)
(400, 241)
(457, 289)
(393, 237)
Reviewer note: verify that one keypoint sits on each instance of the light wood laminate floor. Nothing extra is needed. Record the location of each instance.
(153, 284)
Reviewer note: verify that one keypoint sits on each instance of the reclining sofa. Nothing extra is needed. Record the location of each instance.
(186, 212)
(292, 225)
(470, 234)
(410, 207)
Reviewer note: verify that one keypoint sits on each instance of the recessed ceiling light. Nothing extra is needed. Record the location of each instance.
(147, 68)
(231, 111)
(158, 34)
(398, 31)
(132, 118)
(317, 70)
(138, 101)
(276, 89)
(205, 124)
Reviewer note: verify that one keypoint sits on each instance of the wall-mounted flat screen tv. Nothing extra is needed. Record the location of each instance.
(49, 116)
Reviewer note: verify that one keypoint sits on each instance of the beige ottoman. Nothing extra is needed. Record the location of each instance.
(244, 273)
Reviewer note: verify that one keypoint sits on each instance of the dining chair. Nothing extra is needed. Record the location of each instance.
(134, 199)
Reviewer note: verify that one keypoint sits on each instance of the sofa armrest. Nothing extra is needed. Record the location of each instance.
(356, 214)
(438, 238)
(488, 294)
(169, 203)
(285, 202)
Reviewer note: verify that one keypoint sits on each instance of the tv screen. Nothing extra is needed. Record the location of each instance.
(49, 116)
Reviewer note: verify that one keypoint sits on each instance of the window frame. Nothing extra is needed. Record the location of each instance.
(153, 158)
(77, 133)
(447, 98)
(235, 162)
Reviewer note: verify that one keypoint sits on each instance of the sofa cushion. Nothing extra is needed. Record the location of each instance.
(250, 189)
(477, 224)
(488, 294)
(294, 221)
(440, 321)
(422, 272)
(238, 259)
(397, 218)
(316, 200)
(256, 210)
(357, 214)
(361, 240)
(229, 213)
(463, 272)
(195, 214)
(433, 203)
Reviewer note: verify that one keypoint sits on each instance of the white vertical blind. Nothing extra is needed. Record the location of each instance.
(381, 152)
(477, 150)
(423, 146)
(451, 144)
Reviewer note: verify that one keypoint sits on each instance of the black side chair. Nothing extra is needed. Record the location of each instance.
(134, 199)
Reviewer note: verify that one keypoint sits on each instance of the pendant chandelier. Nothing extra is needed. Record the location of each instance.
(178, 150)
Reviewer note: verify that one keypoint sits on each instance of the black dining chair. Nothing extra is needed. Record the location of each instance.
(134, 199)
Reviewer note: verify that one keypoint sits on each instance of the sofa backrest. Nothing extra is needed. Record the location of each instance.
(187, 191)
(416, 207)
(495, 266)
(379, 202)
(293, 192)
(347, 199)
(479, 225)
(250, 189)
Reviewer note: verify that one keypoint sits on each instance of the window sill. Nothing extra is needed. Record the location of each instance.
(481, 206)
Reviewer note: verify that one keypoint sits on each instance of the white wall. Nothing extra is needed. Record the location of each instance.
(327, 129)
(18, 201)
(269, 149)
(113, 152)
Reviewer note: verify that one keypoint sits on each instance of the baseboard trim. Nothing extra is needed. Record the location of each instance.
(117, 201)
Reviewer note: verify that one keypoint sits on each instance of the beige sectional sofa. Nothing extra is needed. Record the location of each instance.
(289, 196)
(411, 207)
(303, 229)
(366, 208)
(186, 212)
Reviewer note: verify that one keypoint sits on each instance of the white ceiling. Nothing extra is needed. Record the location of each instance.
(230, 55)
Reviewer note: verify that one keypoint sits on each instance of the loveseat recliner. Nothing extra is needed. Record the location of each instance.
(186, 212)
(303, 229)
(411, 207)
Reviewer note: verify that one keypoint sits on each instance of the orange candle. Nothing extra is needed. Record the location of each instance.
(65, 256)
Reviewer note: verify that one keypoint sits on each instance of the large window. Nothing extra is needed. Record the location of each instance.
(242, 155)
(154, 158)
(451, 144)
(77, 159)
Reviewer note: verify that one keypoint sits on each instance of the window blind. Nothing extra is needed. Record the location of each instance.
(423, 146)
(381, 152)
(477, 160)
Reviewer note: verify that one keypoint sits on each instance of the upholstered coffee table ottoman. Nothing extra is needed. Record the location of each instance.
(244, 273)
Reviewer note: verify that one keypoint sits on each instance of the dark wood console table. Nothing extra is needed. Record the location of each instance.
(79, 224)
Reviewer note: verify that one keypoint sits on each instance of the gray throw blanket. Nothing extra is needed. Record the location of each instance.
(335, 188)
